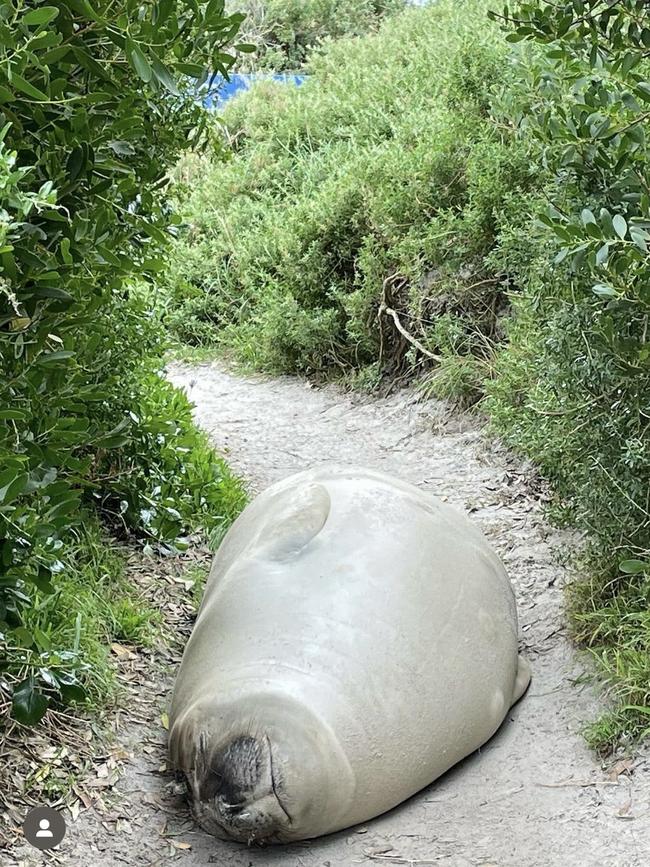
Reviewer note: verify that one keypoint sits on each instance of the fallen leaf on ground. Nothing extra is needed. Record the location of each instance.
(83, 797)
(122, 652)
(102, 782)
(623, 766)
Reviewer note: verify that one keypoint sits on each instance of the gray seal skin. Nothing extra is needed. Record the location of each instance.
(357, 637)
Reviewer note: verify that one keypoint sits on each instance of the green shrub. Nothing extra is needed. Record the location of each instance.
(284, 32)
(95, 106)
(167, 479)
(373, 183)
(573, 384)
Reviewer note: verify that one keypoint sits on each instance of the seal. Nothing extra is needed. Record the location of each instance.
(357, 637)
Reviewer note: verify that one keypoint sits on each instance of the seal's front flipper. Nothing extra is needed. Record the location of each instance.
(297, 516)
(522, 680)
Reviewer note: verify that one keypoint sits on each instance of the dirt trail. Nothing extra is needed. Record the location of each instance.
(534, 796)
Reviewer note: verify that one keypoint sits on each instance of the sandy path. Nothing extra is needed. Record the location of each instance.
(534, 796)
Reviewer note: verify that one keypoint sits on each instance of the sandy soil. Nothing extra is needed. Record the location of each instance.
(534, 796)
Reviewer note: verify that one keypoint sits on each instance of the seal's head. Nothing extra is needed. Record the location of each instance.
(264, 777)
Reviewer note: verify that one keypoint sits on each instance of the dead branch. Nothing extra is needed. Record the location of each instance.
(412, 340)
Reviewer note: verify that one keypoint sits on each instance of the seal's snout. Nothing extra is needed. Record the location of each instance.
(238, 796)
(236, 771)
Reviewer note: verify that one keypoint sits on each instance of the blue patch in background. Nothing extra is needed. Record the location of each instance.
(223, 90)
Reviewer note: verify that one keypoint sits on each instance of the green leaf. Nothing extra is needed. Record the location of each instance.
(42, 580)
(84, 8)
(643, 90)
(113, 442)
(75, 162)
(634, 567)
(606, 221)
(41, 639)
(28, 705)
(121, 148)
(64, 248)
(194, 70)
(640, 238)
(23, 85)
(63, 508)
(620, 226)
(154, 232)
(51, 57)
(164, 76)
(162, 11)
(12, 484)
(23, 637)
(73, 692)
(70, 688)
(604, 291)
(602, 255)
(52, 358)
(52, 292)
(42, 15)
(138, 61)
(153, 265)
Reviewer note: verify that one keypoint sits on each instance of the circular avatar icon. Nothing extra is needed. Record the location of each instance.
(44, 827)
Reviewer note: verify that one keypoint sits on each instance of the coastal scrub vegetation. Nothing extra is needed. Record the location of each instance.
(462, 197)
(97, 102)
(283, 33)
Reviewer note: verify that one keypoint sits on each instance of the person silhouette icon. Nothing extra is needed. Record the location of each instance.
(44, 825)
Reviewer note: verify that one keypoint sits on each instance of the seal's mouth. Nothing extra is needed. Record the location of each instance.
(240, 795)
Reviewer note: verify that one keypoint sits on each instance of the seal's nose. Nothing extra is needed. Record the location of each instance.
(257, 820)
(238, 791)
(228, 809)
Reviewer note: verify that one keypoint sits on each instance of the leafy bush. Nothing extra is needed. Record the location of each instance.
(374, 187)
(284, 32)
(573, 386)
(166, 478)
(95, 106)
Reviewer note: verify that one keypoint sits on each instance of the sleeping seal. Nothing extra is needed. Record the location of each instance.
(357, 638)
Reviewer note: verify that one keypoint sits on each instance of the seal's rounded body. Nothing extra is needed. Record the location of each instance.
(357, 638)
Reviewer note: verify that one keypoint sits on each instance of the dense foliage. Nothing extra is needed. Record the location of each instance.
(284, 32)
(95, 106)
(476, 207)
(372, 184)
(573, 387)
